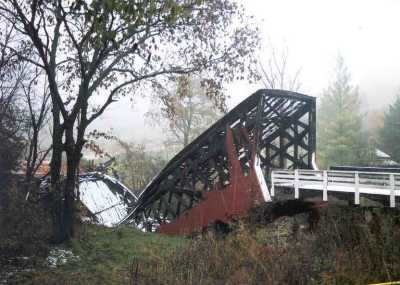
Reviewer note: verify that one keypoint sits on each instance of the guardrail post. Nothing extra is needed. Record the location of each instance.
(325, 185)
(296, 184)
(357, 189)
(392, 188)
(272, 184)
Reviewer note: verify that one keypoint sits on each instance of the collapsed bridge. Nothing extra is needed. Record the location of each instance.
(225, 171)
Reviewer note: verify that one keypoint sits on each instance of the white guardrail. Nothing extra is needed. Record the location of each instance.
(376, 183)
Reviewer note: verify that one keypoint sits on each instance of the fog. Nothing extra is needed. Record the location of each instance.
(365, 33)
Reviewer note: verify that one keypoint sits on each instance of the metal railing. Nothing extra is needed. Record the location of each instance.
(375, 183)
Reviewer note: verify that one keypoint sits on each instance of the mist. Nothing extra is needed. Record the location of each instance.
(315, 32)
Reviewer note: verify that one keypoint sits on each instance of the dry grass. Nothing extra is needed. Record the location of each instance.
(347, 246)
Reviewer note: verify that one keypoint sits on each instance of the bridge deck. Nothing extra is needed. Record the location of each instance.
(373, 183)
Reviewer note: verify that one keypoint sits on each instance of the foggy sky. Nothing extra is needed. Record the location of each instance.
(365, 32)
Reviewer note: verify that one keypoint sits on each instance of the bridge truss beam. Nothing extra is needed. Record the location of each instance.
(279, 126)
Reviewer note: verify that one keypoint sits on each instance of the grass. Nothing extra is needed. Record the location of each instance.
(107, 256)
(348, 245)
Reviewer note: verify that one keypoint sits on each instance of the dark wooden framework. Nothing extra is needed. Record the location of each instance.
(282, 125)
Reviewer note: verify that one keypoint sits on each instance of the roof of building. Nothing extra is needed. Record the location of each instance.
(105, 197)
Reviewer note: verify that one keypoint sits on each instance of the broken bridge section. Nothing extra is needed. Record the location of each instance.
(219, 175)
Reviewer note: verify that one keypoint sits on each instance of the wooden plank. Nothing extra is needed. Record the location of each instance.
(272, 184)
(356, 189)
(296, 184)
(392, 188)
(283, 176)
(325, 186)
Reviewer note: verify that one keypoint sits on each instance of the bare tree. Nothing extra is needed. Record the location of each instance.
(276, 74)
(11, 117)
(187, 109)
(136, 166)
(38, 106)
(104, 49)
(23, 112)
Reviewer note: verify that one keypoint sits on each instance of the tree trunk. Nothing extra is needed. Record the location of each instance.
(56, 156)
(69, 220)
(32, 157)
(56, 196)
(186, 138)
(69, 205)
(65, 196)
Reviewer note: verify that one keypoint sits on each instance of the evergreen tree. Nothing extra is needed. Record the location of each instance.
(390, 133)
(340, 137)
